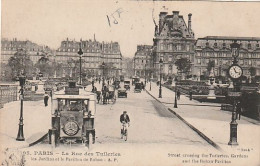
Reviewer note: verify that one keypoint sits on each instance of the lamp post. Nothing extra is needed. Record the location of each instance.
(103, 80)
(235, 72)
(80, 52)
(160, 89)
(20, 136)
(175, 100)
(145, 73)
(150, 82)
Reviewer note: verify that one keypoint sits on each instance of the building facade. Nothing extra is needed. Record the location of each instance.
(143, 61)
(127, 67)
(94, 54)
(173, 40)
(217, 49)
(35, 51)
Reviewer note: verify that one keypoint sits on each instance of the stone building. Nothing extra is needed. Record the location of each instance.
(94, 54)
(35, 51)
(173, 39)
(127, 67)
(217, 49)
(143, 61)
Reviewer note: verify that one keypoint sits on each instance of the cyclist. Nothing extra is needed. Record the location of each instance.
(124, 119)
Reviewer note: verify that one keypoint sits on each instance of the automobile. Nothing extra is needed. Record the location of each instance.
(135, 79)
(121, 93)
(127, 85)
(73, 113)
(138, 87)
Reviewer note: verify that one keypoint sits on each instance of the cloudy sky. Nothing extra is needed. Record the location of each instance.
(48, 22)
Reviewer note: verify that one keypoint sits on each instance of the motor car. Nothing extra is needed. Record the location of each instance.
(138, 87)
(122, 93)
(127, 85)
(73, 113)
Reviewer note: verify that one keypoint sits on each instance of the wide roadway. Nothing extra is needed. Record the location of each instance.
(155, 135)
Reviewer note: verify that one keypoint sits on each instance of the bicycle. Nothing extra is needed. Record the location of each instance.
(124, 132)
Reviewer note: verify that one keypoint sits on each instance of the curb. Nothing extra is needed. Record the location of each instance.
(39, 140)
(212, 143)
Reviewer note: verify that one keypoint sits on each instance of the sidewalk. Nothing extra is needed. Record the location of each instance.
(210, 120)
(37, 121)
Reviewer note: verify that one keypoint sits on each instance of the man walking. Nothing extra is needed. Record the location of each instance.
(46, 98)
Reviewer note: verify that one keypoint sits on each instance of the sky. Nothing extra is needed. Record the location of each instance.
(48, 22)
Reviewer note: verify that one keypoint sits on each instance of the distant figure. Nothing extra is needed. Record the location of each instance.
(108, 82)
(99, 80)
(93, 83)
(190, 94)
(142, 85)
(178, 94)
(238, 110)
(158, 83)
(46, 98)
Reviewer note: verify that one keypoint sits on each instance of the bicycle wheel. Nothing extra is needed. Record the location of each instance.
(125, 134)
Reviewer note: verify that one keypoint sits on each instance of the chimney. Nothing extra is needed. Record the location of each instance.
(162, 16)
(175, 19)
(175, 13)
(189, 22)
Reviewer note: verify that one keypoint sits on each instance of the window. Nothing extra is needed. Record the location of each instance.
(215, 44)
(249, 62)
(249, 46)
(178, 47)
(199, 61)
(162, 46)
(207, 44)
(257, 45)
(188, 47)
(224, 45)
(170, 46)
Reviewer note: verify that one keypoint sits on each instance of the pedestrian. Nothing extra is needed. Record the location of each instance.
(178, 94)
(238, 110)
(46, 98)
(190, 94)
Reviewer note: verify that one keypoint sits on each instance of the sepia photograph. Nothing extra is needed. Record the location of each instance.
(130, 83)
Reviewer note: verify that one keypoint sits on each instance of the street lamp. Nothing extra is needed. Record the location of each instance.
(80, 52)
(103, 80)
(150, 82)
(175, 100)
(160, 89)
(20, 136)
(145, 73)
(235, 72)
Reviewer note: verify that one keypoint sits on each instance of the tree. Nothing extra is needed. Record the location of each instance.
(183, 65)
(20, 62)
(211, 65)
(44, 66)
(252, 71)
(73, 66)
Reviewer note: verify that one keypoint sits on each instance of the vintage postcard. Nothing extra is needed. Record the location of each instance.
(129, 83)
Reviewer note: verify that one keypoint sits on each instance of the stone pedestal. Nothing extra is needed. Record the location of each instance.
(211, 92)
(40, 89)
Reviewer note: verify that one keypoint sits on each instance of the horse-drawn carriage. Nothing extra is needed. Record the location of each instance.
(73, 113)
(106, 95)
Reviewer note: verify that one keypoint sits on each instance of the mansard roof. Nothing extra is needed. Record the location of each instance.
(173, 26)
(222, 43)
